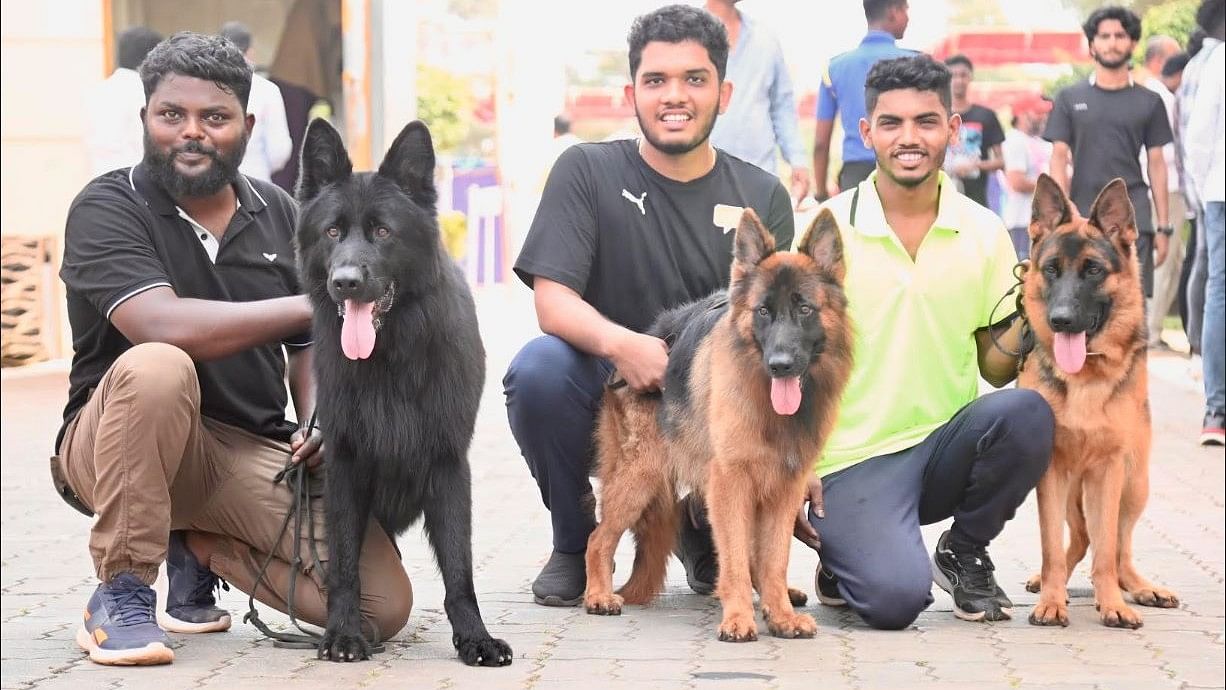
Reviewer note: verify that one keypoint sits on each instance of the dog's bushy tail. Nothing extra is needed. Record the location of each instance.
(654, 534)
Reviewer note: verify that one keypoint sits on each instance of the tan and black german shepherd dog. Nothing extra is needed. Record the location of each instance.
(1082, 296)
(753, 382)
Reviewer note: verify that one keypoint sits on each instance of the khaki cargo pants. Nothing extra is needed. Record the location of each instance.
(140, 456)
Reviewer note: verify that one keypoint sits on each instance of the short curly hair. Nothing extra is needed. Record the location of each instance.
(919, 72)
(1126, 17)
(202, 56)
(675, 24)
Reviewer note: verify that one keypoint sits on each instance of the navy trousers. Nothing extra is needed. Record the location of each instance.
(977, 468)
(553, 393)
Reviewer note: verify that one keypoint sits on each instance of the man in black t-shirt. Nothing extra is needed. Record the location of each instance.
(1104, 123)
(976, 154)
(183, 298)
(624, 230)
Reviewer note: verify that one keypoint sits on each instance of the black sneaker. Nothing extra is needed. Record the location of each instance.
(967, 577)
(827, 586)
(190, 604)
(696, 547)
(562, 580)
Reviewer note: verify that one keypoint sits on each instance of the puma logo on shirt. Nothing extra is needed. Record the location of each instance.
(637, 201)
(270, 257)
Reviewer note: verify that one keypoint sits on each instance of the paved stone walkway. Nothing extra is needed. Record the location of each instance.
(46, 580)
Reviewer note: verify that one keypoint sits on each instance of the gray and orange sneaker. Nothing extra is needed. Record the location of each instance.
(119, 627)
(190, 604)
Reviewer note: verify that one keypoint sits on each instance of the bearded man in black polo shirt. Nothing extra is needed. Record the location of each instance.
(183, 300)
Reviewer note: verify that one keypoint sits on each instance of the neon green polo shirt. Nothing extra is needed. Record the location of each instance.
(916, 362)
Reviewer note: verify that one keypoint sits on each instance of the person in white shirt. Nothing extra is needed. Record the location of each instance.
(270, 146)
(116, 137)
(1158, 49)
(1026, 154)
(1205, 142)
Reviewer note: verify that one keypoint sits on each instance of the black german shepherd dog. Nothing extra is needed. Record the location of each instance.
(397, 414)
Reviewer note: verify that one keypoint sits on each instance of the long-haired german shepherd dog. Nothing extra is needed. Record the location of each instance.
(753, 381)
(399, 367)
(1082, 296)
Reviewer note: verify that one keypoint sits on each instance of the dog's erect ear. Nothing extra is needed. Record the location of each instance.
(824, 244)
(1113, 213)
(1051, 207)
(410, 163)
(324, 160)
(752, 242)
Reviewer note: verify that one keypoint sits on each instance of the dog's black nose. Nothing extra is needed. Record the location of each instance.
(781, 364)
(1061, 319)
(346, 280)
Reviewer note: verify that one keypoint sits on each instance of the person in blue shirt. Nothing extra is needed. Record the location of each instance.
(842, 93)
(761, 118)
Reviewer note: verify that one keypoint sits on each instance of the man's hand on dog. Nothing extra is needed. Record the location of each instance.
(308, 449)
(812, 503)
(641, 360)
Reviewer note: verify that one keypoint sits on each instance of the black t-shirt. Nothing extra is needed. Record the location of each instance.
(125, 235)
(979, 133)
(633, 242)
(1107, 130)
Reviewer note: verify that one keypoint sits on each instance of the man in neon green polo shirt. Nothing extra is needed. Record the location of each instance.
(913, 443)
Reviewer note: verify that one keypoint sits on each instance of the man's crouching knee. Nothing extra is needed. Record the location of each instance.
(386, 605)
(896, 605)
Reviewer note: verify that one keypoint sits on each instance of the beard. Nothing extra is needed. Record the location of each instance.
(883, 165)
(679, 147)
(222, 171)
(1113, 64)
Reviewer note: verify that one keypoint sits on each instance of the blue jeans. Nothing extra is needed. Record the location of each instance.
(1212, 333)
(553, 393)
(978, 468)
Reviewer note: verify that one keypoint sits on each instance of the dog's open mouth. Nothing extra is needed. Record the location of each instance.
(1069, 349)
(785, 395)
(361, 322)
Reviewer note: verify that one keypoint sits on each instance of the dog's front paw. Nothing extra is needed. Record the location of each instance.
(483, 651)
(1156, 596)
(1049, 612)
(1119, 615)
(343, 644)
(603, 604)
(792, 626)
(738, 627)
(1034, 584)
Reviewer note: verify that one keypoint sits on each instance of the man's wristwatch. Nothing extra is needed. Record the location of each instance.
(1165, 230)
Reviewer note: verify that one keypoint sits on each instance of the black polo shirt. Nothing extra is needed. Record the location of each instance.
(125, 235)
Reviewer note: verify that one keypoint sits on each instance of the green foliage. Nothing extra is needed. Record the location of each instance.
(1176, 18)
(1079, 73)
(445, 101)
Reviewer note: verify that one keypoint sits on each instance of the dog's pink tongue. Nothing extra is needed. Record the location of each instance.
(358, 329)
(785, 395)
(1070, 351)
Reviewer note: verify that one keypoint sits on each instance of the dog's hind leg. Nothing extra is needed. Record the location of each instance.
(1079, 533)
(624, 496)
(448, 523)
(1052, 607)
(348, 511)
(1136, 493)
(654, 534)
